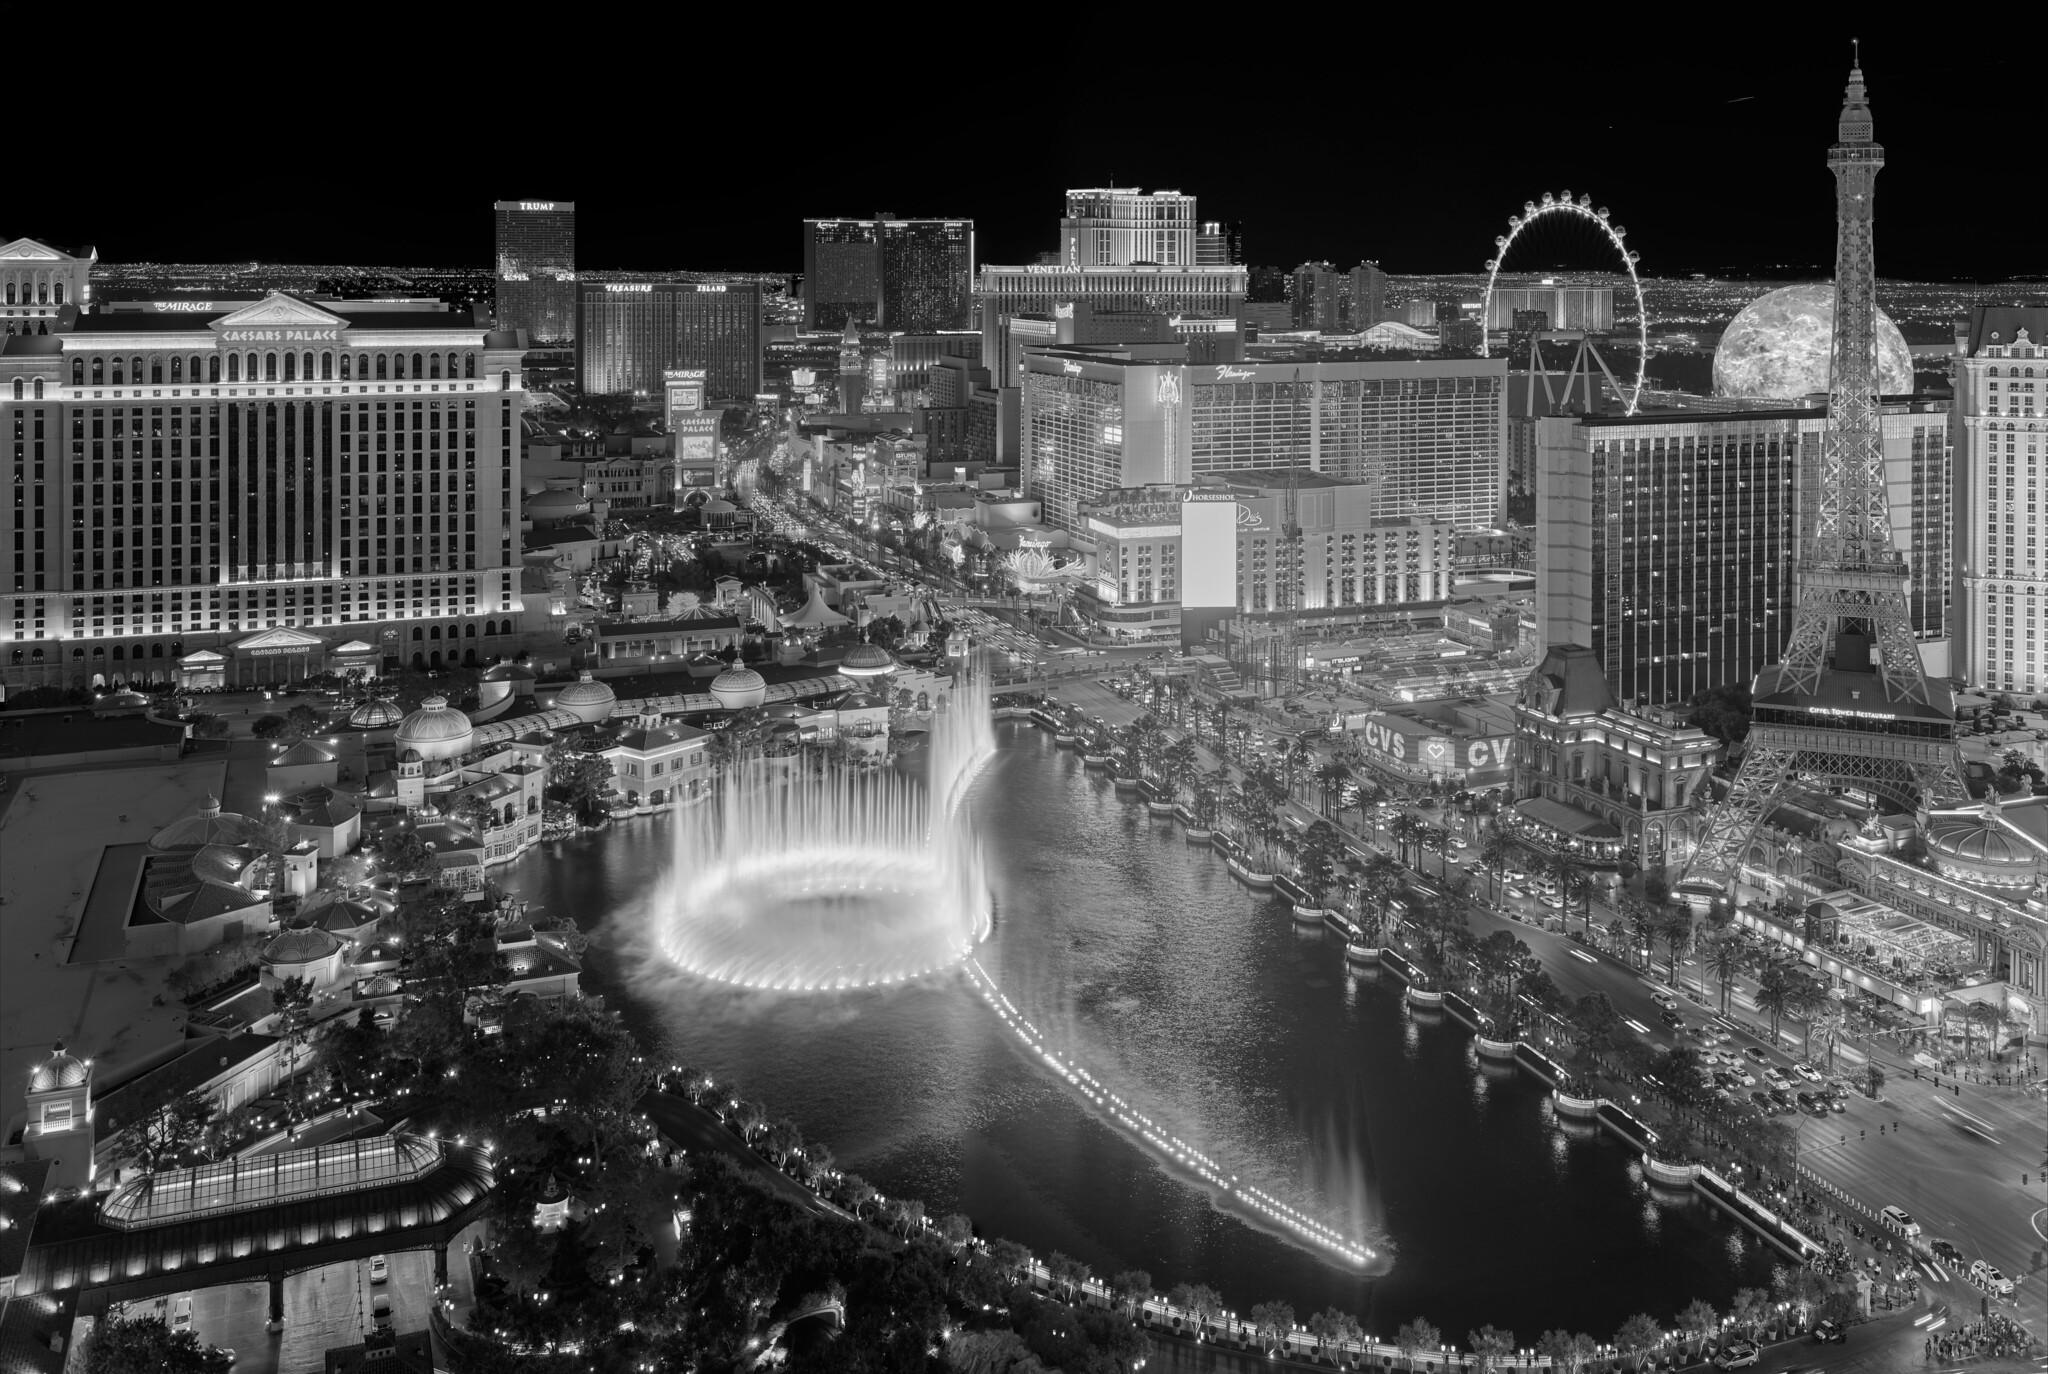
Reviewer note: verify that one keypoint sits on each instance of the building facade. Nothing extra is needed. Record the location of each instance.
(38, 282)
(251, 484)
(630, 333)
(1999, 425)
(915, 275)
(1097, 418)
(1116, 226)
(1368, 296)
(1429, 436)
(536, 268)
(1199, 292)
(1601, 783)
(1665, 542)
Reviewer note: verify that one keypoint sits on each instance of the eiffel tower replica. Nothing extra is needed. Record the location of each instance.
(1848, 704)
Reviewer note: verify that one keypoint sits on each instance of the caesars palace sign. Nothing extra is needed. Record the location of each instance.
(280, 335)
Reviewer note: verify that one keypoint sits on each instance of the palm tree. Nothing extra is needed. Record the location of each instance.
(1330, 778)
(1403, 828)
(1674, 925)
(1979, 1016)
(1727, 957)
(1775, 992)
(1380, 880)
(1573, 886)
(1493, 852)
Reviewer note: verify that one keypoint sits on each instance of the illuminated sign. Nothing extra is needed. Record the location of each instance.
(514, 276)
(1249, 519)
(280, 335)
(620, 287)
(1232, 374)
(1489, 753)
(1385, 740)
(1063, 312)
(537, 205)
(1845, 711)
(197, 307)
(702, 289)
(1071, 369)
(1207, 496)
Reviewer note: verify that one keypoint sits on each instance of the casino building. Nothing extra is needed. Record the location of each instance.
(255, 492)
(630, 333)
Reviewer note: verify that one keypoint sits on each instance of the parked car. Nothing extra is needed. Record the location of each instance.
(181, 1312)
(380, 1269)
(1740, 1355)
(1830, 1333)
(1900, 1220)
(380, 1308)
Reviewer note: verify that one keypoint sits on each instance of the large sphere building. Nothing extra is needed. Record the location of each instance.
(435, 731)
(1778, 348)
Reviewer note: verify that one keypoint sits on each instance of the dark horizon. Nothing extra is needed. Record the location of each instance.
(1726, 176)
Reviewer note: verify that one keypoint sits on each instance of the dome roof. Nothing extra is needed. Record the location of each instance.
(867, 660)
(1779, 347)
(589, 700)
(739, 687)
(60, 1070)
(437, 730)
(208, 825)
(300, 946)
(378, 713)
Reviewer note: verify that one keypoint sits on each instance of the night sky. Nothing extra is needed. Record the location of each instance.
(1709, 148)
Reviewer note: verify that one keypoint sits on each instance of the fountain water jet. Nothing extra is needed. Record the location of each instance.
(796, 883)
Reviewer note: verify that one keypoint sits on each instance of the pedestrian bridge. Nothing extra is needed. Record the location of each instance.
(240, 1220)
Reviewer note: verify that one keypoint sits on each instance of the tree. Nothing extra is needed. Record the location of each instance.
(1273, 1321)
(351, 1049)
(145, 1345)
(1775, 991)
(1133, 1288)
(1321, 848)
(268, 727)
(163, 1136)
(1873, 1078)
(1727, 956)
(302, 720)
(1980, 1016)
(1568, 1352)
(1748, 1309)
(403, 852)
(1698, 1321)
(1066, 1273)
(1672, 924)
(1417, 1337)
(1639, 1336)
(1723, 712)
(1490, 1343)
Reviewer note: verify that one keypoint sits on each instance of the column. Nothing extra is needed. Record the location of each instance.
(276, 1298)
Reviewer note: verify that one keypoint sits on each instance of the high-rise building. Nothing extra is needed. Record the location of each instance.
(1428, 435)
(1118, 226)
(1219, 244)
(1315, 297)
(1848, 706)
(1211, 293)
(629, 333)
(251, 494)
(38, 283)
(537, 268)
(2001, 569)
(1425, 437)
(915, 275)
(1664, 541)
(1096, 417)
(1368, 297)
(1664, 544)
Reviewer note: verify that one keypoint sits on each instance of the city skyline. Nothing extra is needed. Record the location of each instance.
(1687, 172)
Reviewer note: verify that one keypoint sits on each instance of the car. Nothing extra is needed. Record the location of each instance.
(380, 1268)
(1755, 1055)
(1807, 1072)
(1670, 1017)
(1747, 1078)
(1987, 1276)
(1946, 1252)
(1554, 903)
(1761, 1100)
(181, 1312)
(380, 1309)
(1830, 1333)
(1740, 1355)
(1838, 1104)
(1781, 1099)
(1663, 999)
(1776, 1079)
(227, 1352)
(1900, 1220)
(1811, 1105)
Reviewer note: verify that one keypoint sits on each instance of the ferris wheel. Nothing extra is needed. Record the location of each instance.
(1563, 205)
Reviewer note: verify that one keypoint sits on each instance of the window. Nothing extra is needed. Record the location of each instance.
(78, 372)
(234, 367)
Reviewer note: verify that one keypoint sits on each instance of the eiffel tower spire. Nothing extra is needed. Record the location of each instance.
(1848, 704)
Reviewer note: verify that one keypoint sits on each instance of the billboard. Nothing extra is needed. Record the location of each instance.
(1208, 550)
(685, 393)
(695, 439)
